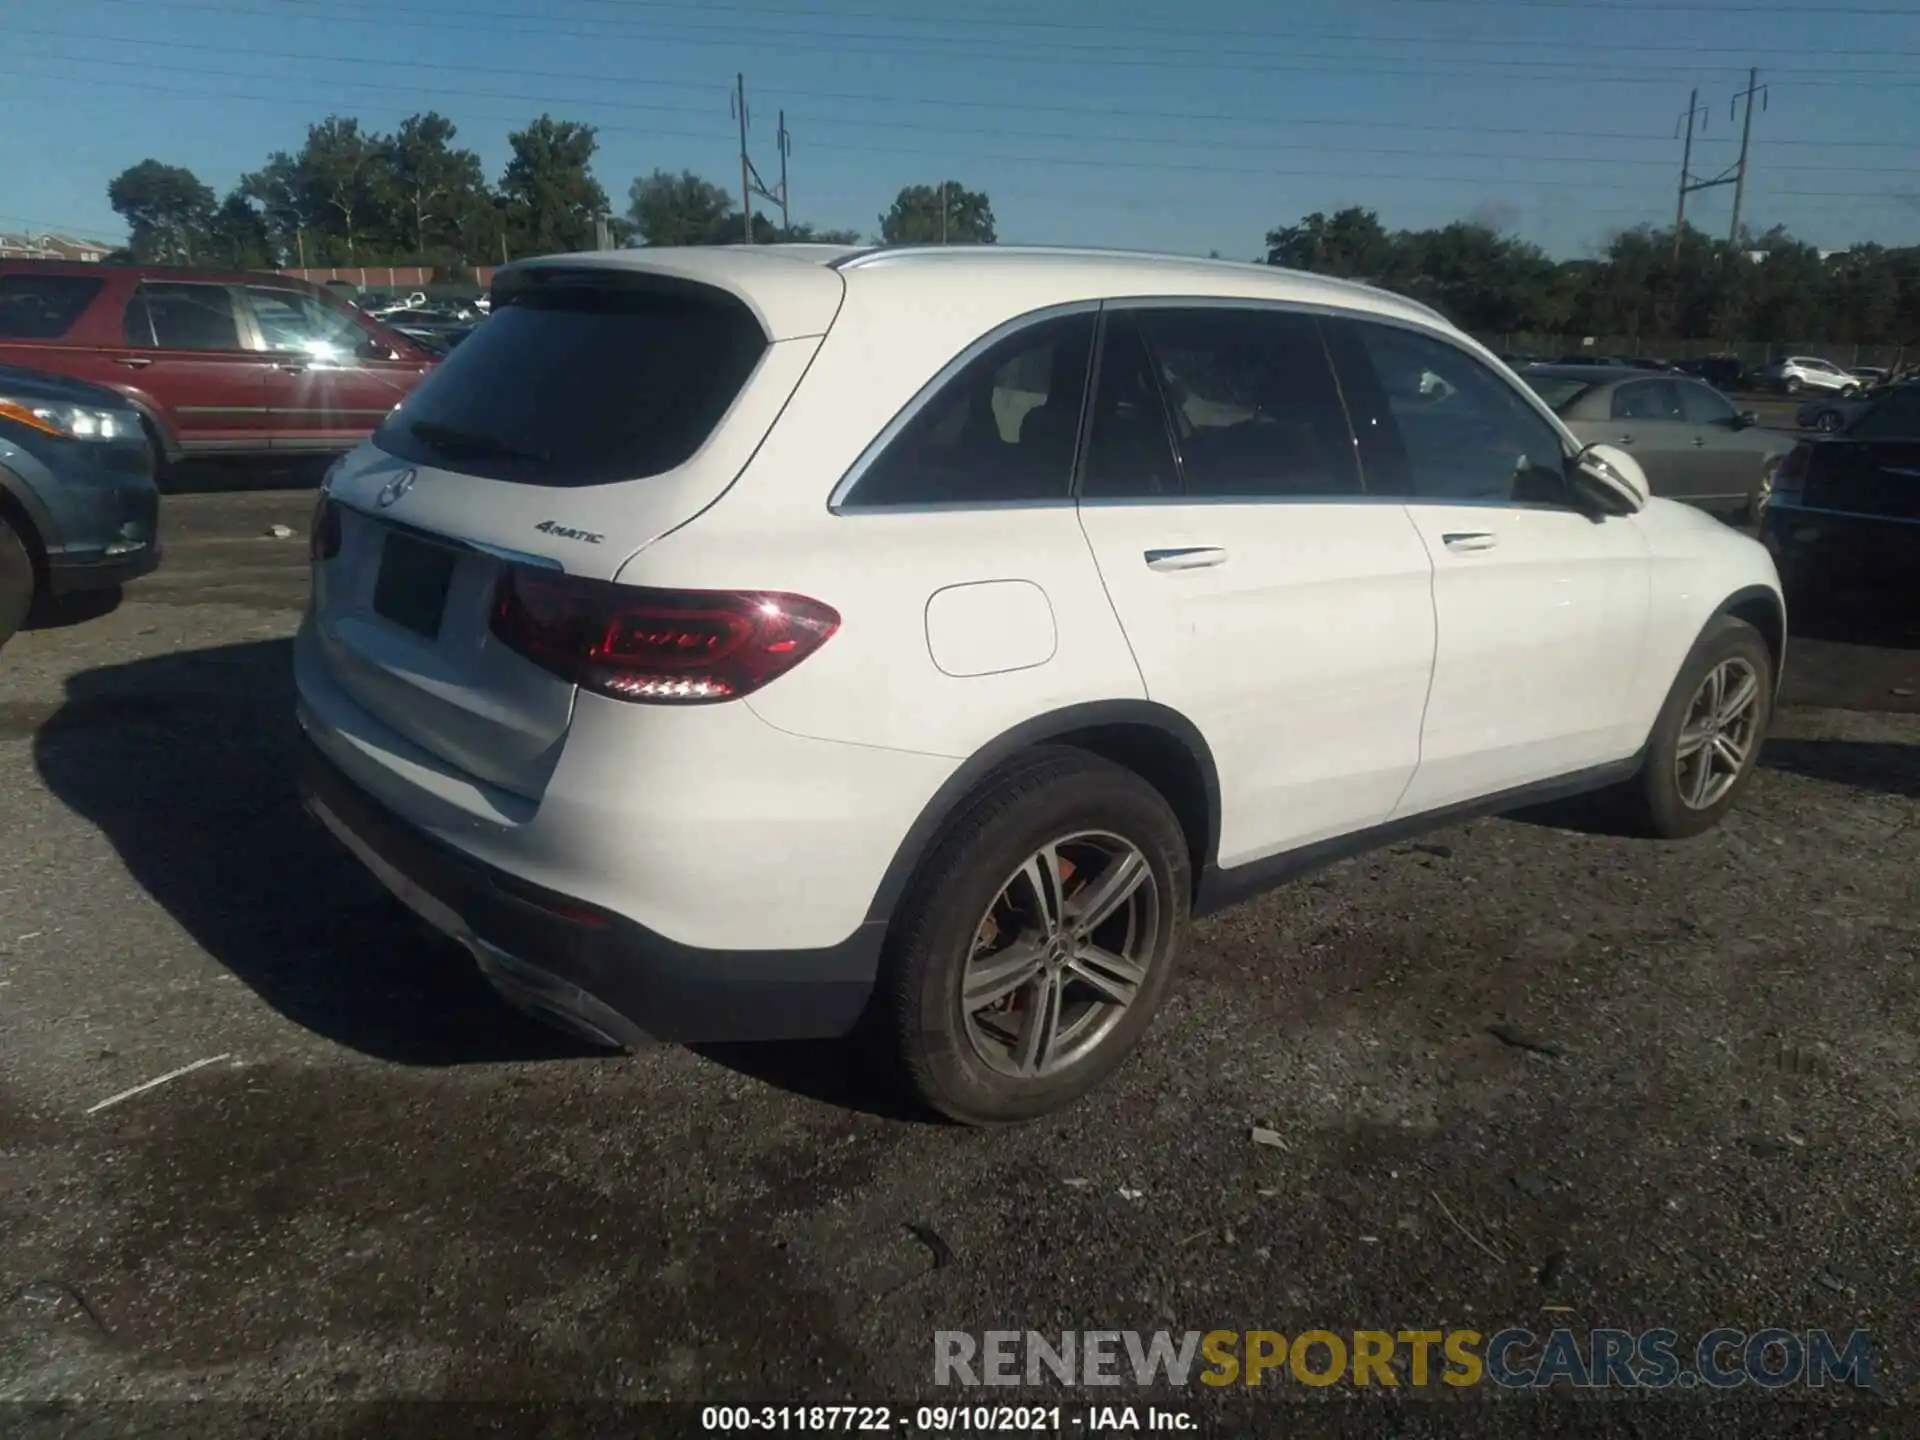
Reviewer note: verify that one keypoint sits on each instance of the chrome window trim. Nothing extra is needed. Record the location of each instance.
(841, 501)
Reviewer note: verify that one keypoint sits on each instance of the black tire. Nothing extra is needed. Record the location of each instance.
(1827, 421)
(1794, 385)
(1653, 801)
(1048, 793)
(16, 581)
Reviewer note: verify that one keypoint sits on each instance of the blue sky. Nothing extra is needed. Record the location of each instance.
(1189, 126)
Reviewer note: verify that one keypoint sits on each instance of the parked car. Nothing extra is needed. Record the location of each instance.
(1796, 373)
(78, 507)
(214, 361)
(1846, 506)
(1723, 372)
(1691, 441)
(784, 656)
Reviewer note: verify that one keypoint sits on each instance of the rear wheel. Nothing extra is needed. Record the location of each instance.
(1038, 941)
(16, 581)
(1706, 741)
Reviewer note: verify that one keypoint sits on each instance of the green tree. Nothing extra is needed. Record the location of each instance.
(167, 209)
(237, 235)
(947, 213)
(428, 187)
(1351, 244)
(550, 193)
(339, 170)
(682, 209)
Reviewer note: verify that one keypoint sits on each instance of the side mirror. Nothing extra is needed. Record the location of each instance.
(1745, 420)
(1611, 475)
(371, 349)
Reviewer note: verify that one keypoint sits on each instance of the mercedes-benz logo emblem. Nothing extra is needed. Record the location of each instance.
(395, 488)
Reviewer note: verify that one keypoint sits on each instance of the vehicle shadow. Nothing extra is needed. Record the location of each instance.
(223, 475)
(185, 763)
(50, 614)
(1887, 769)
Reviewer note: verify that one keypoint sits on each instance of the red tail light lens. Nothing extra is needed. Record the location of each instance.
(657, 647)
(323, 531)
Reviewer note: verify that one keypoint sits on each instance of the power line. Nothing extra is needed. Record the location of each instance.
(1001, 24)
(730, 38)
(949, 156)
(1019, 133)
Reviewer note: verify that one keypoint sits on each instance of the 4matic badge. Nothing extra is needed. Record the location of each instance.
(567, 532)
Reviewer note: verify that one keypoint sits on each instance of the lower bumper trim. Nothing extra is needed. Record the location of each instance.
(614, 982)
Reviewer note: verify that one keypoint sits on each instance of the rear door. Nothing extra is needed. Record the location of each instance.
(1267, 597)
(594, 412)
(1654, 429)
(39, 317)
(330, 384)
(1541, 609)
(187, 348)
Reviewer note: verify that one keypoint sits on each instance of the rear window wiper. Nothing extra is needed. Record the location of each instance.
(452, 440)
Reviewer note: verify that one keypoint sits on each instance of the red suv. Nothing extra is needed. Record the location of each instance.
(217, 361)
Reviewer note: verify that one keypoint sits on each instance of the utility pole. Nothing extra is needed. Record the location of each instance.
(1734, 175)
(1686, 173)
(746, 193)
(943, 212)
(1746, 134)
(750, 182)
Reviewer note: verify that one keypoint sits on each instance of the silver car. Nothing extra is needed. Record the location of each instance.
(1691, 441)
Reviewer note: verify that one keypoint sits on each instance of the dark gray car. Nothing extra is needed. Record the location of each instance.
(78, 506)
(1691, 441)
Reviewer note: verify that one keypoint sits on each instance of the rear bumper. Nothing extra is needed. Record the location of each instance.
(587, 969)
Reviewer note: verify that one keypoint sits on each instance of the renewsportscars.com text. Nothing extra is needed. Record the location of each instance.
(1512, 1358)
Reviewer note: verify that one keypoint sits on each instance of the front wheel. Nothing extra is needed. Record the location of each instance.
(1793, 385)
(1827, 421)
(1038, 940)
(1706, 742)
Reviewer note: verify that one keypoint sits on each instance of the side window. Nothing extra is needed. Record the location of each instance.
(1647, 400)
(1703, 405)
(291, 321)
(188, 317)
(1129, 448)
(43, 307)
(1437, 424)
(1004, 429)
(1255, 409)
(1897, 417)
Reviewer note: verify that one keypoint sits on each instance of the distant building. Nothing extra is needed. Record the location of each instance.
(52, 247)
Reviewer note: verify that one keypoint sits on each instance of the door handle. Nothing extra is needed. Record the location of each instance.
(1469, 540)
(292, 367)
(1624, 440)
(133, 362)
(1191, 557)
(1699, 442)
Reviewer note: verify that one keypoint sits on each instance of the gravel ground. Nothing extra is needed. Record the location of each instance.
(390, 1187)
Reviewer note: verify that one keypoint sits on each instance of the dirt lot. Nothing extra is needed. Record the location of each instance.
(392, 1187)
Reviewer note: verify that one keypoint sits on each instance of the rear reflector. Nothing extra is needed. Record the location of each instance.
(657, 647)
(323, 532)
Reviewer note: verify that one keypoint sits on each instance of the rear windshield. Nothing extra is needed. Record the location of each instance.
(43, 307)
(579, 380)
(1556, 390)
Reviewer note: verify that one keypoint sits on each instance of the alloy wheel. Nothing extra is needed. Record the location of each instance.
(1061, 953)
(1718, 735)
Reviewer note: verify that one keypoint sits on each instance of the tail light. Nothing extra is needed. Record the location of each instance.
(323, 531)
(657, 647)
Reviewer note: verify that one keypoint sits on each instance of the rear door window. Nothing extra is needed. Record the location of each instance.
(582, 380)
(168, 316)
(43, 307)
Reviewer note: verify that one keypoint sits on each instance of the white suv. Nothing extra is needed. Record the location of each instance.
(779, 642)
(1797, 373)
